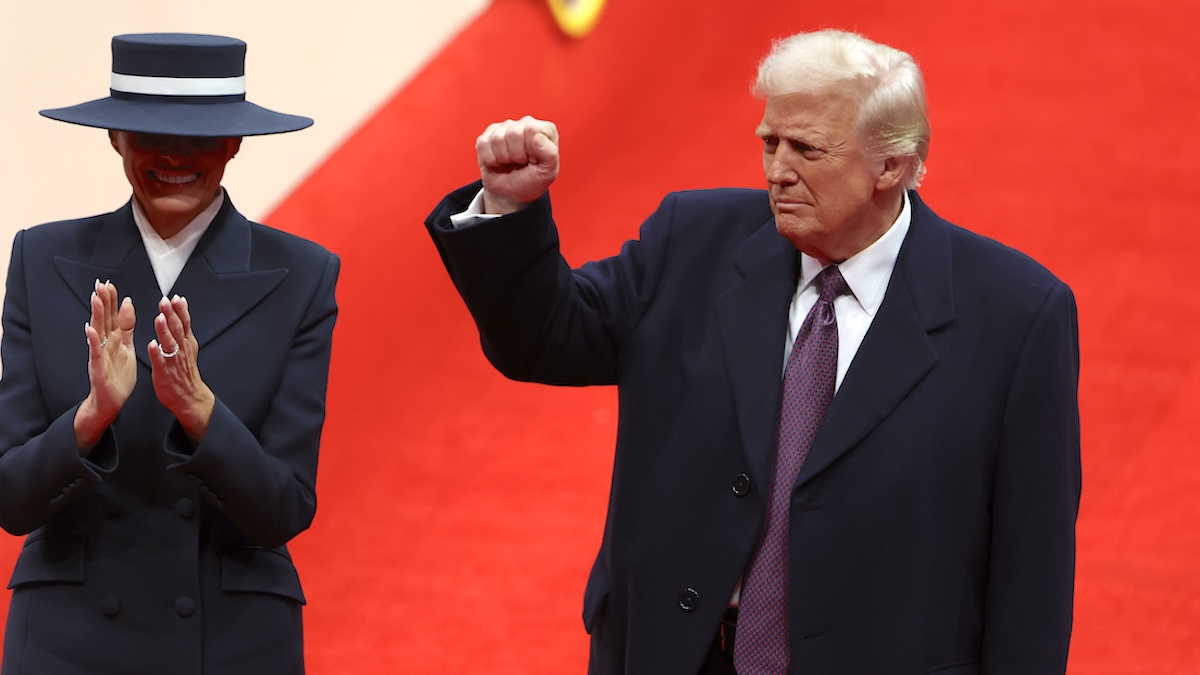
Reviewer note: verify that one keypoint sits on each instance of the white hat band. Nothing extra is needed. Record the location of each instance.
(179, 86)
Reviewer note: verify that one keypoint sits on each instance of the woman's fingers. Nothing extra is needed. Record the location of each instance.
(126, 320)
(180, 304)
(168, 327)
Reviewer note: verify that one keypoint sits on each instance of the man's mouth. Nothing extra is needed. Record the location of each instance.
(789, 204)
(174, 178)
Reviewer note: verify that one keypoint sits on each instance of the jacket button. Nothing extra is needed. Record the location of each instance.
(110, 606)
(184, 508)
(185, 606)
(689, 599)
(741, 485)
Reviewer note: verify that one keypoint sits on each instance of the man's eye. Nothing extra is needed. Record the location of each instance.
(808, 151)
(770, 144)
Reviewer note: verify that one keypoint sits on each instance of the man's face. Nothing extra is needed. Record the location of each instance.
(173, 177)
(821, 180)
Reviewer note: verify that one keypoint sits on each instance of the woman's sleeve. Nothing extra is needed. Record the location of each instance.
(41, 470)
(266, 482)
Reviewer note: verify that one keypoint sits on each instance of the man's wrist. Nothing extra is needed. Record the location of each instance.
(498, 206)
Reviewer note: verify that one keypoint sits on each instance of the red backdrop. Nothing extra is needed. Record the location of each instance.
(460, 512)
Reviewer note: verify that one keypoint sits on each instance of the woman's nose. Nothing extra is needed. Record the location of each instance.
(176, 147)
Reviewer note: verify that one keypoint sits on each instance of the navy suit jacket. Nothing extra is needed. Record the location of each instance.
(932, 525)
(154, 555)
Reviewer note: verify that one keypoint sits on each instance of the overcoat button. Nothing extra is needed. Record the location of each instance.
(185, 606)
(741, 485)
(110, 606)
(689, 599)
(184, 508)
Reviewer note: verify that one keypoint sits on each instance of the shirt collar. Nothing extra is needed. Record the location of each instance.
(867, 272)
(190, 232)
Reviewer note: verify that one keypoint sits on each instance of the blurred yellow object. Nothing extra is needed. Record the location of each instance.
(576, 18)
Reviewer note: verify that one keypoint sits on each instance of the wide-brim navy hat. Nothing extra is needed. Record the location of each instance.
(179, 84)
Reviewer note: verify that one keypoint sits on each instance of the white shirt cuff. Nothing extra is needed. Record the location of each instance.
(474, 213)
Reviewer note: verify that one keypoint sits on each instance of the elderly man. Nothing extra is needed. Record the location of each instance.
(848, 437)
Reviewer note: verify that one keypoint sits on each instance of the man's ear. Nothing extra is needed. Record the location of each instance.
(112, 138)
(892, 173)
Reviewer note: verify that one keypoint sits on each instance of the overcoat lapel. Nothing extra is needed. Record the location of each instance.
(217, 279)
(753, 317)
(897, 351)
(116, 254)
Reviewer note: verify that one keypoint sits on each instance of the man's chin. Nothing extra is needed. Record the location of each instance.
(794, 228)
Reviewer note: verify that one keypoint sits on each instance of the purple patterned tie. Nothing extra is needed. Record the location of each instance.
(762, 647)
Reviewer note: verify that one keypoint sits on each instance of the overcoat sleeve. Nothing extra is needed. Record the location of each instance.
(539, 320)
(41, 470)
(1028, 610)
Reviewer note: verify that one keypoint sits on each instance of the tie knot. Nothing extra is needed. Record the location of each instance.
(831, 284)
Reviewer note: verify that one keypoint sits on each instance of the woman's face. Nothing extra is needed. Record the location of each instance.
(173, 177)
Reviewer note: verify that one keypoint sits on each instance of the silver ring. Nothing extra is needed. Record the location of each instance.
(103, 342)
(166, 355)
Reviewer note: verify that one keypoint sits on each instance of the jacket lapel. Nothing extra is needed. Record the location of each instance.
(896, 352)
(117, 255)
(753, 318)
(217, 279)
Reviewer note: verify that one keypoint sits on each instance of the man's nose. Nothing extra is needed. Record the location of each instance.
(778, 169)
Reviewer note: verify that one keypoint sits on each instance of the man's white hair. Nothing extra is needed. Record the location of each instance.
(888, 84)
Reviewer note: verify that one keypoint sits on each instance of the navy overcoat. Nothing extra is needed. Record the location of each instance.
(154, 555)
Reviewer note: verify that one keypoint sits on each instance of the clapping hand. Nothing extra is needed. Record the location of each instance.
(176, 377)
(112, 367)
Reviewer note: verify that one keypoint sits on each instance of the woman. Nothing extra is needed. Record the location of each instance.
(160, 459)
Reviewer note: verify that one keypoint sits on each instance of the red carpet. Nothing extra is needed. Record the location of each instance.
(460, 512)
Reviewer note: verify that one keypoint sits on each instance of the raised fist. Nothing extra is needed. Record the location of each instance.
(518, 160)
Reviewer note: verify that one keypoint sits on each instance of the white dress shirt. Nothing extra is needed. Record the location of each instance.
(867, 273)
(168, 256)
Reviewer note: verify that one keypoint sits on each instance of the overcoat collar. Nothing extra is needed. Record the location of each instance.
(218, 280)
(895, 354)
